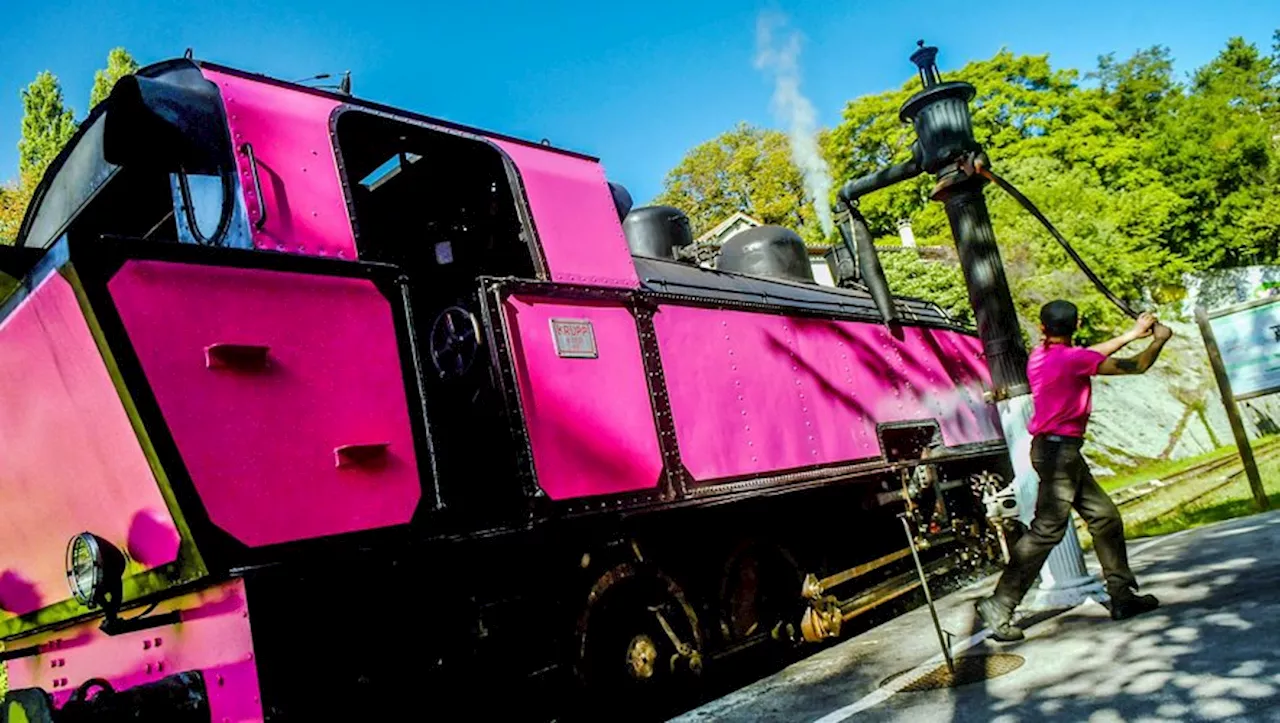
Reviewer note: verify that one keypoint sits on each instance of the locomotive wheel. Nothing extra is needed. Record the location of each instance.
(627, 659)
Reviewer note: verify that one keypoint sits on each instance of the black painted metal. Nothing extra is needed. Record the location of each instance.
(869, 268)
(28, 705)
(491, 300)
(945, 147)
(657, 231)
(940, 113)
(989, 293)
(19, 653)
(885, 177)
(419, 372)
(770, 251)
(247, 150)
(842, 258)
(696, 286)
(17, 261)
(622, 201)
(675, 476)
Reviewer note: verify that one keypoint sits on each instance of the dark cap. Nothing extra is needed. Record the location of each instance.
(1059, 318)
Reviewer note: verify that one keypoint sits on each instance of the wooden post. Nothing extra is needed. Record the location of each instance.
(1233, 411)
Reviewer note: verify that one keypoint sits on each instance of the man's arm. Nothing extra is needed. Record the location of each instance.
(1141, 328)
(1142, 362)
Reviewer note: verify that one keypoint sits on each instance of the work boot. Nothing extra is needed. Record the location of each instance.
(999, 619)
(1126, 604)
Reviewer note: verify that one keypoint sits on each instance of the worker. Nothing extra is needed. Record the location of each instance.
(1061, 389)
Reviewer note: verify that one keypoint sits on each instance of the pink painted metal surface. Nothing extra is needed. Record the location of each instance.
(297, 167)
(259, 442)
(753, 393)
(213, 637)
(70, 461)
(574, 216)
(590, 420)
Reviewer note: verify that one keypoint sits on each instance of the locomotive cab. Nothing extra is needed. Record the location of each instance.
(441, 208)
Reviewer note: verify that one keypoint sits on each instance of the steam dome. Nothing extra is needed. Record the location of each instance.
(770, 251)
(657, 231)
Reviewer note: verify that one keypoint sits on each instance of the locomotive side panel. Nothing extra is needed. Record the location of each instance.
(753, 393)
(586, 402)
(72, 460)
(213, 639)
(283, 392)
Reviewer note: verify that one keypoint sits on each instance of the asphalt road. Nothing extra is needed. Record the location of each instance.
(1209, 653)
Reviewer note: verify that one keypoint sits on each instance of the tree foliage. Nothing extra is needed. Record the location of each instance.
(745, 169)
(119, 64)
(47, 125)
(13, 204)
(911, 276)
(1147, 175)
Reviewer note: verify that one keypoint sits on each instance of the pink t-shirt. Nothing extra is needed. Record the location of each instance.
(1062, 388)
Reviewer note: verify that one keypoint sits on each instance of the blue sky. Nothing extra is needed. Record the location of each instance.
(635, 83)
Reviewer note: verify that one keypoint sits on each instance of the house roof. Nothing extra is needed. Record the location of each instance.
(725, 225)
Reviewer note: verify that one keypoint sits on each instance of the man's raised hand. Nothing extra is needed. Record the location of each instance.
(1142, 327)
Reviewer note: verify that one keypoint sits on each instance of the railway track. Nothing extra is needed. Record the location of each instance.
(1126, 496)
(1229, 466)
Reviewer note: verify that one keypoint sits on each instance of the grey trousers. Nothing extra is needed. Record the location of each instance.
(1065, 482)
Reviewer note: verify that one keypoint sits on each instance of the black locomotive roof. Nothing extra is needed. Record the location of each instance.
(674, 277)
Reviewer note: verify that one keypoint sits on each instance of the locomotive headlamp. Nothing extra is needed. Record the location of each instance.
(95, 571)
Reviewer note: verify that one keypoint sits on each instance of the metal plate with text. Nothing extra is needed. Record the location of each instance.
(575, 339)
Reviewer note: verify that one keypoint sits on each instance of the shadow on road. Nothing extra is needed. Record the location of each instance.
(1209, 653)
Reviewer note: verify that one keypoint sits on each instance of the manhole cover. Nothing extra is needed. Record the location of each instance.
(969, 669)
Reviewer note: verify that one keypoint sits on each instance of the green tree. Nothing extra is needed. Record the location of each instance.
(1134, 91)
(119, 64)
(746, 169)
(1216, 148)
(13, 204)
(1148, 177)
(1116, 232)
(1021, 101)
(942, 283)
(47, 125)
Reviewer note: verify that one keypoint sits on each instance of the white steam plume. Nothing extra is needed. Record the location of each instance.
(781, 60)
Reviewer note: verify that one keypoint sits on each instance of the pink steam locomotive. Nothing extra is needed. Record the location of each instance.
(315, 409)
